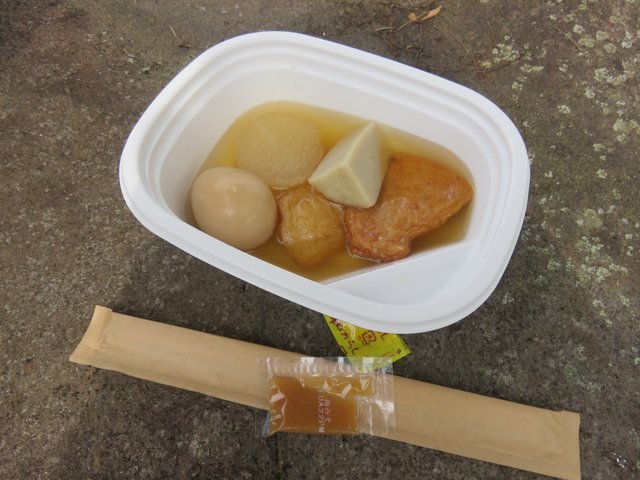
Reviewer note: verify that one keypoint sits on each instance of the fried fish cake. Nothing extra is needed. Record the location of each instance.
(310, 227)
(418, 195)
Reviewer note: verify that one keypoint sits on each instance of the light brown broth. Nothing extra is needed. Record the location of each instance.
(333, 126)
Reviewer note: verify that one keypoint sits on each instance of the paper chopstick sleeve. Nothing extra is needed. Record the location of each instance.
(431, 416)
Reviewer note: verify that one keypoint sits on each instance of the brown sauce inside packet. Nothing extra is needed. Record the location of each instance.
(316, 404)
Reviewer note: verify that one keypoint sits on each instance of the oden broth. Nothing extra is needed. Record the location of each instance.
(333, 126)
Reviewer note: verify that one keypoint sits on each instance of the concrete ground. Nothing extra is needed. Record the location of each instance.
(561, 330)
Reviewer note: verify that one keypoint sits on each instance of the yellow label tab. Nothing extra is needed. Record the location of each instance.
(359, 342)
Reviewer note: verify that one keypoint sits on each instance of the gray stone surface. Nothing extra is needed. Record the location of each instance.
(561, 330)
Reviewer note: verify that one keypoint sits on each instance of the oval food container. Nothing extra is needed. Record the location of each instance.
(423, 292)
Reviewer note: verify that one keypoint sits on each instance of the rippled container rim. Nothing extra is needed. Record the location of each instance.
(418, 294)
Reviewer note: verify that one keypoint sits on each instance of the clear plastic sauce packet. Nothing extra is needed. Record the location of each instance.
(343, 396)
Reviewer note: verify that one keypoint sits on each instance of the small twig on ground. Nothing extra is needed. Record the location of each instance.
(469, 55)
(502, 65)
(389, 41)
(420, 19)
(384, 29)
(420, 51)
(431, 69)
(492, 33)
(279, 24)
(568, 37)
(180, 42)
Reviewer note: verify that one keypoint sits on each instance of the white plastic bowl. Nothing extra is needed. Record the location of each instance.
(423, 292)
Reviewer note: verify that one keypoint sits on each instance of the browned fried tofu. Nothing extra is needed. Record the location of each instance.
(418, 195)
(310, 227)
